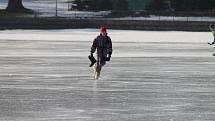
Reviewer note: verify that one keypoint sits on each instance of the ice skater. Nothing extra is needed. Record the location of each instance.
(212, 29)
(102, 45)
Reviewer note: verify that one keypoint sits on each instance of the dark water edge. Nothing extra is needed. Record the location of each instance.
(66, 23)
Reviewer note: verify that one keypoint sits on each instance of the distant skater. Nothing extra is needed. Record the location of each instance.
(102, 45)
(212, 29)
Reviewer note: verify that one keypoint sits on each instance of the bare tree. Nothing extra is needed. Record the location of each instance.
(16, 6)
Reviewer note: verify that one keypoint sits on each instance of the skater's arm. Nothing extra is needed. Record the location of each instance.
(93, 48)
(109, 46)
(210, 27)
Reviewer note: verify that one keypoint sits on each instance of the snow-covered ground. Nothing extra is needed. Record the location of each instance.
(168, 18)
(152, 76)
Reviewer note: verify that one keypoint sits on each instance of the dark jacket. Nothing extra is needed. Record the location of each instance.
(102, 45)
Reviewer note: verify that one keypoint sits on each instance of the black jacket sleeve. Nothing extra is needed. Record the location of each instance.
(109, 46)
(93, 47)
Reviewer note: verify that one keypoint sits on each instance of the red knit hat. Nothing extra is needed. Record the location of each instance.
(103, 29)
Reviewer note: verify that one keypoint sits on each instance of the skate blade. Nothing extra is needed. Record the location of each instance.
(97, 75)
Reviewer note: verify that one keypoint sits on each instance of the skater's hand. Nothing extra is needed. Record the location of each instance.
(108, 59)
(109, 56)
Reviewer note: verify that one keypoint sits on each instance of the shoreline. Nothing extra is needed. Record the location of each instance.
(65, 23)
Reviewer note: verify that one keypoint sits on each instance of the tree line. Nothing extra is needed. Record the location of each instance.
(181, 5)
(153, 5)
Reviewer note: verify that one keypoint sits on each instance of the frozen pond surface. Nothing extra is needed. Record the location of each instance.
(153, 76)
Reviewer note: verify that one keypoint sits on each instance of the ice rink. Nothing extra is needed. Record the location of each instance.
(152, 76)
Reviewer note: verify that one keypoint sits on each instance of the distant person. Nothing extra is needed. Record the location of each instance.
(212, 29)
(102, 45)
